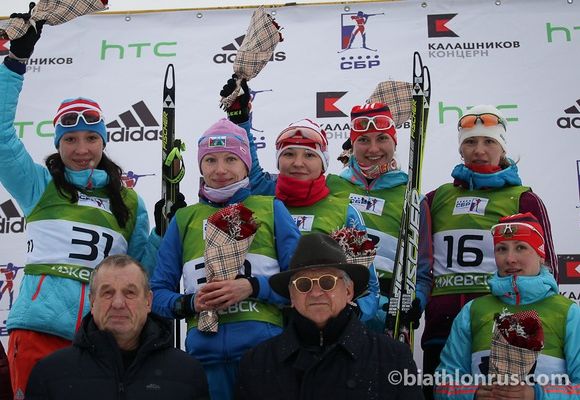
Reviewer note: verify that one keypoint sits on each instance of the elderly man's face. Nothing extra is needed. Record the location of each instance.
(320, 305)
(120, 303)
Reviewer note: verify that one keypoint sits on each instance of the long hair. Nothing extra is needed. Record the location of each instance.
(113, 189)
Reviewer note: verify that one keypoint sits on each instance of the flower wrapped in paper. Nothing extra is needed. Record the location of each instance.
(398, 96)
(54, 12)
(261, 39)
(228, 236)
(517, 341)
(357, 246)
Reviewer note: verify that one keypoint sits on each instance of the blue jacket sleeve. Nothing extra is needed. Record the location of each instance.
(572, 354)
(22, 178)
(149, 259)
(369, 303)
(287, 236)
(139, 237)
(425, 263)
(167, 274)
(456, 359)
(262, 183)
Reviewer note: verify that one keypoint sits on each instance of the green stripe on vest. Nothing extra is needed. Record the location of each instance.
(553, 312)
(190, 223)
(246, 310)
(329, 214)
(54, 206)
(390, 220)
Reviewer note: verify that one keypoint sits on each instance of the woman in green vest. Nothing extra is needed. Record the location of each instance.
(302, 159)
(522, 283)
(248, 309)
(374, 183)
(486, 187)
(77, 212)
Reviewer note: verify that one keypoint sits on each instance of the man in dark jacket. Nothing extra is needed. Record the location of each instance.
(325, 352)
(120, 350)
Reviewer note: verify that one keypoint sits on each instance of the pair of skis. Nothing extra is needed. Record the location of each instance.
(172, 168)
(403, 286)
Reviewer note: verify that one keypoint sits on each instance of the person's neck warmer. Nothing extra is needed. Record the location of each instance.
(310, 335)
(87, 178)
(393, 177)
(221, 195)
(296, 193)
(481, 180)
(374, 171)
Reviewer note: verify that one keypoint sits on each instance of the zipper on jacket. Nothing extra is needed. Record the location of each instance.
(321, 339)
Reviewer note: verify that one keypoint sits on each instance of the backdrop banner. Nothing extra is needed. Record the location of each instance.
(521, 56)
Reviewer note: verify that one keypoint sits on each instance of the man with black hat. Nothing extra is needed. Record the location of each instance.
(325, 352)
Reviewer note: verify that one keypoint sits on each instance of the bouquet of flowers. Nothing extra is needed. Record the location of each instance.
(54, 12)
(228, 235)
(357, 246)
(516, 343)
(259, 43)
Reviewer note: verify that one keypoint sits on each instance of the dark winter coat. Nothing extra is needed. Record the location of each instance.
(5, 388)
(92, 368)
(354, 366)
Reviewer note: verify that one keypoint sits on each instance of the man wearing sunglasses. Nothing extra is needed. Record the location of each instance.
(325, 352)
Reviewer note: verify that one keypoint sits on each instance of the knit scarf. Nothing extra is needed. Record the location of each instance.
(473, 179)
(222, 194)
(296, 193)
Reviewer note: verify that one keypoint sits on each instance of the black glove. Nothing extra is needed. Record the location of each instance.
(414, 314)
(184, 307)
(239, 111)
(159, 217)
(23, 47)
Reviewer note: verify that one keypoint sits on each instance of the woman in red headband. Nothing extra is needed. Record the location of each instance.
(522, 283)
(486, 187)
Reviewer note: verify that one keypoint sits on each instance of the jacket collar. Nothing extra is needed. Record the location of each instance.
(348, 340)
(524, 289)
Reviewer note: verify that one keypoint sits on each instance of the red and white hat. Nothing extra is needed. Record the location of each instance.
(372, 110)
(304, 134)
(523, 227)
(79, 104)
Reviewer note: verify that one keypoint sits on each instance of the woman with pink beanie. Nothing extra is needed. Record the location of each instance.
(248, 308)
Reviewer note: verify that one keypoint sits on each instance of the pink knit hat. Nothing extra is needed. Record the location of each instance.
(224, 135)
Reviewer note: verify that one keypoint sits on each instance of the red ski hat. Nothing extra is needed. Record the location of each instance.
(523, 227)
(373, 117)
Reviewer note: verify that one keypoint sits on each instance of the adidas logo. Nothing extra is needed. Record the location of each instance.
(135, 125)
(572, 121)
(11, 221)
(233, 47)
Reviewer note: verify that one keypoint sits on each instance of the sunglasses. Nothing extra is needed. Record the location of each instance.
(71, 118)
(296, 135)
(305, 284)
(380, 122)
(509, 230)
(487, 119)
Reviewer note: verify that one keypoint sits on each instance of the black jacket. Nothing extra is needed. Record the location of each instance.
(344, 361)
(92, 368)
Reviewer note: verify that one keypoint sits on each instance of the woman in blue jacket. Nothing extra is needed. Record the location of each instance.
(248, 309)
(77, 213)
(522, 282)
